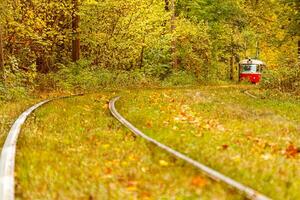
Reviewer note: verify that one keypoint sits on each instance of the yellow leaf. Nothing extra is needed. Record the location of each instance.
(132, 188)
(163, 163)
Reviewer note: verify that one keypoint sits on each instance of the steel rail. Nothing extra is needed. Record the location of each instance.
(215, 175)
(250, 95)
(8, 154)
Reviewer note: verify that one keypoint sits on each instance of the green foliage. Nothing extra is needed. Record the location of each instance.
(132, 40)
(285, 79)
(180, 78)
(124, 34)
(18, 81)
(38, 32)
(194, 51)
(240, 29)
(83, 76)
(157, 59)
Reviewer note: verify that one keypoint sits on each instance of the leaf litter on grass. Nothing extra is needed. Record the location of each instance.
(74, 149)
(226, 130)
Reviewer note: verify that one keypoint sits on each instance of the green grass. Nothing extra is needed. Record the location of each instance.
(74, 149)
(252, 141)
(9, 111)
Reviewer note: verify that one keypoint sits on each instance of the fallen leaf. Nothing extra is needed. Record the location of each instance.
(105, 106)
(225, 146)
(132, 188)
(266, 156)
(198, 181)
(144, 169)
(149, 124)
(132, 183)
(291, 151)
(107, 170)
(221, 128)
(163, 163)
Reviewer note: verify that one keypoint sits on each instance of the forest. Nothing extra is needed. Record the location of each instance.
(149, 99)
(86, 44)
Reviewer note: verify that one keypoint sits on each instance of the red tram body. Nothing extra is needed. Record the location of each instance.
(251, 70)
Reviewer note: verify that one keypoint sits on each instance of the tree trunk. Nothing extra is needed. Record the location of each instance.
(1, 56)
(167, 5)
(142, 53)
(76, 37)
(299, 50)
(232, 63)
(257, 50)
(173, 45)
(231, 76)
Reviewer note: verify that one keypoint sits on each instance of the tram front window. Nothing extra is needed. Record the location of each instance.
(249, 68)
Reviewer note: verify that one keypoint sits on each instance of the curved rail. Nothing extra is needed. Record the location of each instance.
(249, 94)
(249, 192)
(7, 160)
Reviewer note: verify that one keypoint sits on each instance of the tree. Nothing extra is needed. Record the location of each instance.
(2, 16)
(75, 29)
(1, 55)
(295, 21)
(173, 28)
(226, 20)
(170, 6)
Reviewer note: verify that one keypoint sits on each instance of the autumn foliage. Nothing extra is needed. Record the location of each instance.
(207, 38)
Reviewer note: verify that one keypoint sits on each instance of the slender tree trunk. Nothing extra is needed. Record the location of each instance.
(257, 50)
(245, 49)
(231, 76)
(232, 63)
(1, 56)
(142, 54)
(173, 28)
(167, 5)
(75, 27)
(299, 50)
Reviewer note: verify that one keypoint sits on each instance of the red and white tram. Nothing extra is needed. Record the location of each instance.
(251, 70)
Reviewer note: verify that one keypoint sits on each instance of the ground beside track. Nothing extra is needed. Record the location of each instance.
(74, 149)
(9, 112)
(253, 141)
(62, 156)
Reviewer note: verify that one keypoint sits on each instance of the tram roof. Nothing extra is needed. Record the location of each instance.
(252, 61)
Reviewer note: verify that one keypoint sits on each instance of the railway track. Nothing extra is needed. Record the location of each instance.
(215, 175)
(7, 160)
(8, 154)
(249, 94)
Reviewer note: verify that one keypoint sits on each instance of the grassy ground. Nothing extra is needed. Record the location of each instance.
(74, 149)
(253, 141)
(9, 111)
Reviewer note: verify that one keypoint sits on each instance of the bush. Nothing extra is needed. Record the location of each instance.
(83, 76)
(18, 80)
(12, 93)
(285, 79)
(180, 78)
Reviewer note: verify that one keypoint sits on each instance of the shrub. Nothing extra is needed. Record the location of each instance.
(180, 78)
(83, 76)
(18, 80)
(285, 79)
